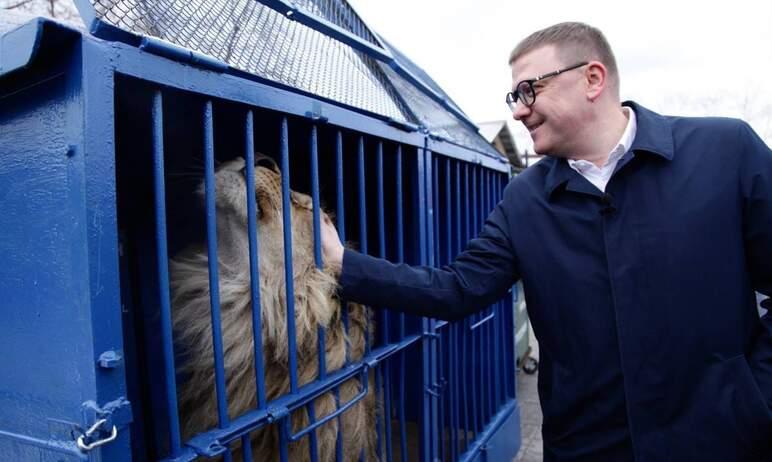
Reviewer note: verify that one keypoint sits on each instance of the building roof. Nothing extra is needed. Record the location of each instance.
(497, 133)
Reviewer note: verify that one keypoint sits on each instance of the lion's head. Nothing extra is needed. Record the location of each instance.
(314, 289)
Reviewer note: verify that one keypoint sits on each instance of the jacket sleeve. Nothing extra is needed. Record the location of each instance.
(480, 275)
(756, 184)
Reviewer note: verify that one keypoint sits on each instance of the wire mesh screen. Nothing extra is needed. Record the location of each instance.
(254, 38)
(436, 118)
(340, 14)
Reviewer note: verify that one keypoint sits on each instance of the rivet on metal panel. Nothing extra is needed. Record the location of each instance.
(109, 359)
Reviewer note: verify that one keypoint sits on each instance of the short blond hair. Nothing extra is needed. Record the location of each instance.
(575, 42)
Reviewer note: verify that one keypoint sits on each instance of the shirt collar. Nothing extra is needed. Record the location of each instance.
(653, 134)
(619, 150)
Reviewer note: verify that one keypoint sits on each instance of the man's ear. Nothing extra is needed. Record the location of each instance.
(596, 78)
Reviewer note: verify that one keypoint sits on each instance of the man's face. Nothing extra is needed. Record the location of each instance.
(555, 117)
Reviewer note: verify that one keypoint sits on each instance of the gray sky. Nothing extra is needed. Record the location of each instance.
(689, 57)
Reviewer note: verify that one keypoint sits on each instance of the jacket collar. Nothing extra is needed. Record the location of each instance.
(654, 135)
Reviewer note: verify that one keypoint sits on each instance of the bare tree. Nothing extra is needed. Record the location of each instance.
(63, 10)
(753, 105)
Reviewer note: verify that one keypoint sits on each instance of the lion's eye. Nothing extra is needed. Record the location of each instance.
(258, 207)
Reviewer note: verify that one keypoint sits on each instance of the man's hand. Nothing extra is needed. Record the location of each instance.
(332, 249)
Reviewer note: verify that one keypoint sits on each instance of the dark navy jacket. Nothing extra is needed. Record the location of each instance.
(642, 299)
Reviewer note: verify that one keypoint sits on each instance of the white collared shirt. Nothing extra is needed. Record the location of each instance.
(600, 176)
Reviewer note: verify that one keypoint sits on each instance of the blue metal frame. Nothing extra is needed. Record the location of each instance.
(82, 81)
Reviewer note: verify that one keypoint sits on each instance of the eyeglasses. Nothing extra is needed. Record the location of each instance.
(524, 89)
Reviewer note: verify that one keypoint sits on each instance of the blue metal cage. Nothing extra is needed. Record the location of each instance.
(95, 135)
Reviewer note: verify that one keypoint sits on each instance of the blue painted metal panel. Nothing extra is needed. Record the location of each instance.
(58, 276)
(19, 46)
(97, 139)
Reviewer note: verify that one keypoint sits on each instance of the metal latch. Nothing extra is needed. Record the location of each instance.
(87, 443)
(107, 418)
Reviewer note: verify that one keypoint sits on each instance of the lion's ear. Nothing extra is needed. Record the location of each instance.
(262, 160)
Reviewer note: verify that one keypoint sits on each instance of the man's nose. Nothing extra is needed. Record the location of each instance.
(521, 110)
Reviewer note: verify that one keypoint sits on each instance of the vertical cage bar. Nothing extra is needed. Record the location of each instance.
(492, 363)
(509, 330)
(496, 334)
(508, 305)
(438, 342)
(452, 347)
(434, 399)
(214, 282)
(483, 329)
(341, 225)
(500, 357)
(510, 346)
(362, 192)
(481, 332)
(313, 450)
(485, 356)
(320, 336)
(401, 259)
(384, 315)
(285, 196)
(485, 353)
(163, 273)
(254, 267)
(246, 446)
(317, 237)
(379, 428)
(476, 401)
(362, 210)
(467, 381)
(340, 210)
(459, 326)
(381, 228)
(283, 442)
(362, 224)
(420, 180)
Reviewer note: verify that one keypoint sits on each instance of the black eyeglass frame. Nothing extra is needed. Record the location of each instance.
(512, 96)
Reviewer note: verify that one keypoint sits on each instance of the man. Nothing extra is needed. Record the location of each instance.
(640, 241)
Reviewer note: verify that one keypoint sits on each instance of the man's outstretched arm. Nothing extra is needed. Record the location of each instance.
(477, 277)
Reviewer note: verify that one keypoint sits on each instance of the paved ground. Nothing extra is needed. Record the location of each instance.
(530, 414)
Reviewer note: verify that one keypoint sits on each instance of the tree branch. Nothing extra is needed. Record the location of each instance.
(21, 3)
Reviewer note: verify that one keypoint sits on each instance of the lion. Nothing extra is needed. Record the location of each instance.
(316, 305)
